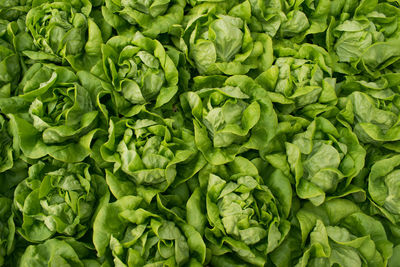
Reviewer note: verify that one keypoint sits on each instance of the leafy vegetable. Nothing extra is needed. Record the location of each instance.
(58, 200)
(58, 28)
(137, 236)
(340, 233)
(199, 133)
(230, 119)
(140, 70)
(68, 252)
(146, 152)
(151, 17)
(320, 164)
(247, 217)
(223, 44)
(7, 229)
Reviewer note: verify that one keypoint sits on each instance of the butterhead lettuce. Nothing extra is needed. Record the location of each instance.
(147, 133)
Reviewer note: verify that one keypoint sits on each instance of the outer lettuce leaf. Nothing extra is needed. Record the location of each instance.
(14, 9)
(58, 252)
(7, 227)
(13, 39)
(9, 67)
(7, 159)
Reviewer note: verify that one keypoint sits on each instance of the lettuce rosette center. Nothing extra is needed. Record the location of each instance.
(146, 156)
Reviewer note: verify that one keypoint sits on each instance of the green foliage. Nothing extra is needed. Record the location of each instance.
(199, 133)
